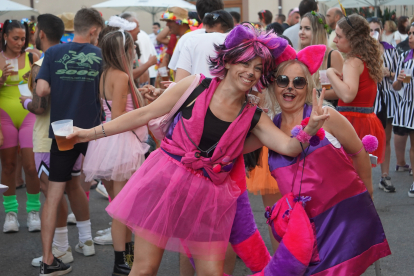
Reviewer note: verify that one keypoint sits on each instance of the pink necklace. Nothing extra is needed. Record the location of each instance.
(6, 58)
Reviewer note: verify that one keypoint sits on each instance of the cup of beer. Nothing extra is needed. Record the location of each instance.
(14, 63)
(408, 72)
(324, 80)
(61, 129)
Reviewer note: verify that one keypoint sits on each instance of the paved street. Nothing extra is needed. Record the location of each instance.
(396, 212)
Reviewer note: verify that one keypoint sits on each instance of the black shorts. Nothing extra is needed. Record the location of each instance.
(401, 131)
(62, 162)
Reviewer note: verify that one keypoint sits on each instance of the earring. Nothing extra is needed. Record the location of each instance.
(5, 42)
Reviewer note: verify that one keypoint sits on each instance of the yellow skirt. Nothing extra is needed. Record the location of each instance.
(260, 179)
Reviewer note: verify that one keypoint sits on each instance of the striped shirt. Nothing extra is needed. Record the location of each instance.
(405, 112)
(385, 92)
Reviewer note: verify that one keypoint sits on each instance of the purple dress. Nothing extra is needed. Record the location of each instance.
(349, 232)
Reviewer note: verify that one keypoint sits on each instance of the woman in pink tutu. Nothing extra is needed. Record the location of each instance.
(183, 197)
(114, 159)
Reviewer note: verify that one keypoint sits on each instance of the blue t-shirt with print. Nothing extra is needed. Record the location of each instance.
(73, 71)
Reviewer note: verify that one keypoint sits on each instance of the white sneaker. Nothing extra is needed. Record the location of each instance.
(101, 189)
(103, 232)
(11, 224)
(33, 221)
(104, 239)
(87, 248)
(71, 219)
(65, 257)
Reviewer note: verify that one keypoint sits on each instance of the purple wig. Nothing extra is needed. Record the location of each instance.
(243, 44)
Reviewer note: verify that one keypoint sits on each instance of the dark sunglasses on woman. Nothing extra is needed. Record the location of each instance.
(298, 82)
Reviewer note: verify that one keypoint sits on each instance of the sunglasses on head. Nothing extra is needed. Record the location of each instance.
(298, 82)
(212, 14)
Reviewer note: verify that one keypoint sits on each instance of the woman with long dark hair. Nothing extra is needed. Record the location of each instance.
(114, 159)
(17, 125)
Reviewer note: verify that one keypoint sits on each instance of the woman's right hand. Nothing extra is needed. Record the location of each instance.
(7, 70)
(401, 77)
(82, 135)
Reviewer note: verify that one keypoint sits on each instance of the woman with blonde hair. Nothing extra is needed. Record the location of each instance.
(313, 32)
(389, 31)
(356, 87)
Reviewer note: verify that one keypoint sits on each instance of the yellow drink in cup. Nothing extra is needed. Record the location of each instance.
(61, 129)
(324, 80)
(408, 73)
(14, 63)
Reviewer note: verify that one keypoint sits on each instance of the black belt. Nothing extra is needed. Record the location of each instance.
(366, 110)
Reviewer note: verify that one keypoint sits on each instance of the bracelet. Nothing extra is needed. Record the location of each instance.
(95, 133)
(390, 75)
(26, 103)
(303, 137)
(103, 131)
(369, 143)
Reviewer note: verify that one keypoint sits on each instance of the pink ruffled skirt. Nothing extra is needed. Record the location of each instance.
(177, 208)
(116, 157)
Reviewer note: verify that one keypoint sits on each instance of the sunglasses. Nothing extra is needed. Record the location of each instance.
(298, 82)
(212, 14)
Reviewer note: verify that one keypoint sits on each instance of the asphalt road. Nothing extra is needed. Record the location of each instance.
(396, 212)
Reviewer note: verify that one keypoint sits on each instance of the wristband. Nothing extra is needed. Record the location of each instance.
(26, 103)
(303, 137)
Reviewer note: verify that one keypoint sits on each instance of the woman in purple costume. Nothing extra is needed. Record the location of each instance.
(183, 197)
(335, 174)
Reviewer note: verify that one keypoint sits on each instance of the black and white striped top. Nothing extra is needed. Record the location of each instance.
(385, 90)
(405, 113)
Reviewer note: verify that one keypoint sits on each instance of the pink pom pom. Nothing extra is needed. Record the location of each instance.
(217, 168)
(305, 122)
(370, 143)
(321, 134)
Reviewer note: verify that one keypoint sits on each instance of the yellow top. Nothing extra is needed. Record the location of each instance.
(9, 96)
(41, 140)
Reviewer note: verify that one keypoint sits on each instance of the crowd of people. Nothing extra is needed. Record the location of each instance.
(176, 127)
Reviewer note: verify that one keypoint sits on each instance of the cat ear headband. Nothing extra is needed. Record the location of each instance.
(312, 56)
(122, 24)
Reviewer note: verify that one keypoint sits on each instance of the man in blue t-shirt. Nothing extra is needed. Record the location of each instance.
(70, 73)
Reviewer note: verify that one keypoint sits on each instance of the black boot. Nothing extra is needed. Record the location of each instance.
(129, 253)
(121, 266)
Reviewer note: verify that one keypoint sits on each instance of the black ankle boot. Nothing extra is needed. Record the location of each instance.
(121, 266)
(129, 253)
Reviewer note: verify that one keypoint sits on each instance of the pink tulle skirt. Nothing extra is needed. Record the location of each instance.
(116, 157)
(177, 208)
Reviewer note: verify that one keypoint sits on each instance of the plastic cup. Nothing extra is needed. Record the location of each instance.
(324, 80)
(3, 188)
(24, 90)
(375, 35)
(14, 76)
(163, 71)
(61, 129)
(408, 75)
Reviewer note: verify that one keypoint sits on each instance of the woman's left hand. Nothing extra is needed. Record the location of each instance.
(331, 72)
(319, 114)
